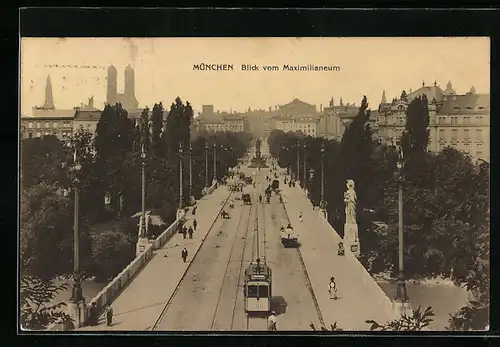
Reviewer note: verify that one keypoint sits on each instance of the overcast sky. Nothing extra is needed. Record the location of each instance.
(164, 69)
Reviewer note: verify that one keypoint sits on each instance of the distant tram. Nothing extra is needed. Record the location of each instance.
(258, 288)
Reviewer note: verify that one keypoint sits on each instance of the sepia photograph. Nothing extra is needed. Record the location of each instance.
(256, 184)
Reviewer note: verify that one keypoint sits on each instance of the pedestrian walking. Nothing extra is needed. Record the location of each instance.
(195, 223)
(109, 316)
(190, 232)
(184, 254)
(194, 210)
(332, 288)
(93, 315)
(184, 231)
(300, 217)
(271, 322)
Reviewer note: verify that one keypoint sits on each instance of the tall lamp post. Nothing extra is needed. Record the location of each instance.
(215, 161)
(298, 160)
(322, 200)
(142, 241)
(206, 164)
(77, 301)
(305, 165)
(180, 176)
(190, 174)
(402, 302)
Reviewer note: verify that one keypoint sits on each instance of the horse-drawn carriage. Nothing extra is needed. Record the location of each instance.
(247, 200)
(289, 237)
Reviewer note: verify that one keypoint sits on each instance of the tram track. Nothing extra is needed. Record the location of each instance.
(236, 234)
(169, 301)
(258, 322)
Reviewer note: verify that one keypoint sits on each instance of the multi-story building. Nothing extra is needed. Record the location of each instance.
(47, 120)
(458, 121)
(87, 117)
(62, 127)
(334, 119)
(234, 122)
(297, 116)
(212, 121)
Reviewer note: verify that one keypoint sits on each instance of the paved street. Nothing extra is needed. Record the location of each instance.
(211, 297)
(357, 300)
(142, 301)
(207, 292)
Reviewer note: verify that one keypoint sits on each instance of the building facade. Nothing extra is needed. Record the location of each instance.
(461, 121)
(212, 121)
(297, 116)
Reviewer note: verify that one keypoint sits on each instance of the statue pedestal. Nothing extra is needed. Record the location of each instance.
(351, 239)
(401, 308)
(78, 313)
(140, 246)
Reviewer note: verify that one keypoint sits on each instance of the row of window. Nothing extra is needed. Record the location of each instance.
(466, 134)
(453, 120)
(47, 125)
(63, 134)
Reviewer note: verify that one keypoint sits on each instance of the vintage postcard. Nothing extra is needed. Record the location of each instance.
(255, 184)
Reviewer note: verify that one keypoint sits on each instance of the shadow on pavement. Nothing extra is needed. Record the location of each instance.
(278, 304)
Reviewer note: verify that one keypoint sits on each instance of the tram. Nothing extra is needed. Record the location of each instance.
(258, 288)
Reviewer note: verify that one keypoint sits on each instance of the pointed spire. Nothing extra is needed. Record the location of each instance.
(49, 100)
(341, 103)
(449, 86)
(331, 102)
(435, 83)
(384, 100)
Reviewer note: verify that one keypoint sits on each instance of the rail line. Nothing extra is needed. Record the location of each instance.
(169, 301)
(229, 260)
(257, 321)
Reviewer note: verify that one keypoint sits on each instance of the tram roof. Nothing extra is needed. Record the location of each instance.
(262, 268)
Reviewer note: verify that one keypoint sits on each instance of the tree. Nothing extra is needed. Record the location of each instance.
(112, 250)
(46, 233)
(41, 161)
(37, 312)
(415, 139)
(418, 321)
(145, 127)
(177, 129)
(156, 130)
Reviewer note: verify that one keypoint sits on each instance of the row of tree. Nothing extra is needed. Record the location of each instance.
(109, 183)
(445, 208)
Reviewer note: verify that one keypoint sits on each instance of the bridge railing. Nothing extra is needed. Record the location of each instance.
(113, 288)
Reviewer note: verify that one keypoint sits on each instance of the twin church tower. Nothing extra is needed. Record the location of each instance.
(127, 99)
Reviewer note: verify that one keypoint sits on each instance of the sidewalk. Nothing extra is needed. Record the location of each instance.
(358, 301)
(142, 301)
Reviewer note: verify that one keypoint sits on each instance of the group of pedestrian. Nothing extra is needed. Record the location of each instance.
(93, 318)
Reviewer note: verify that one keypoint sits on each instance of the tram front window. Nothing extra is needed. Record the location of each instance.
(257, 291)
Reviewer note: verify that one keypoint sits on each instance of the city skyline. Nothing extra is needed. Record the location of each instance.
(367, 67)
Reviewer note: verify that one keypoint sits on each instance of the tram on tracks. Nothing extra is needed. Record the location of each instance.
(258, 288)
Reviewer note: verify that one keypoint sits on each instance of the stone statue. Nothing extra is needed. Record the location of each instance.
(350, 200)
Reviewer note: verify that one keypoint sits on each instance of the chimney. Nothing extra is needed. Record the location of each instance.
(207, 109)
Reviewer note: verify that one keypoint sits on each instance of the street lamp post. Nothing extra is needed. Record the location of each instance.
(180, 176)
(305, 165)
(401, 303)
(322, 200)
(298, 160)
(190, 174)
(76, 305)
(77, 294)
(142, 241)
(215, 162)
(206, 164)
